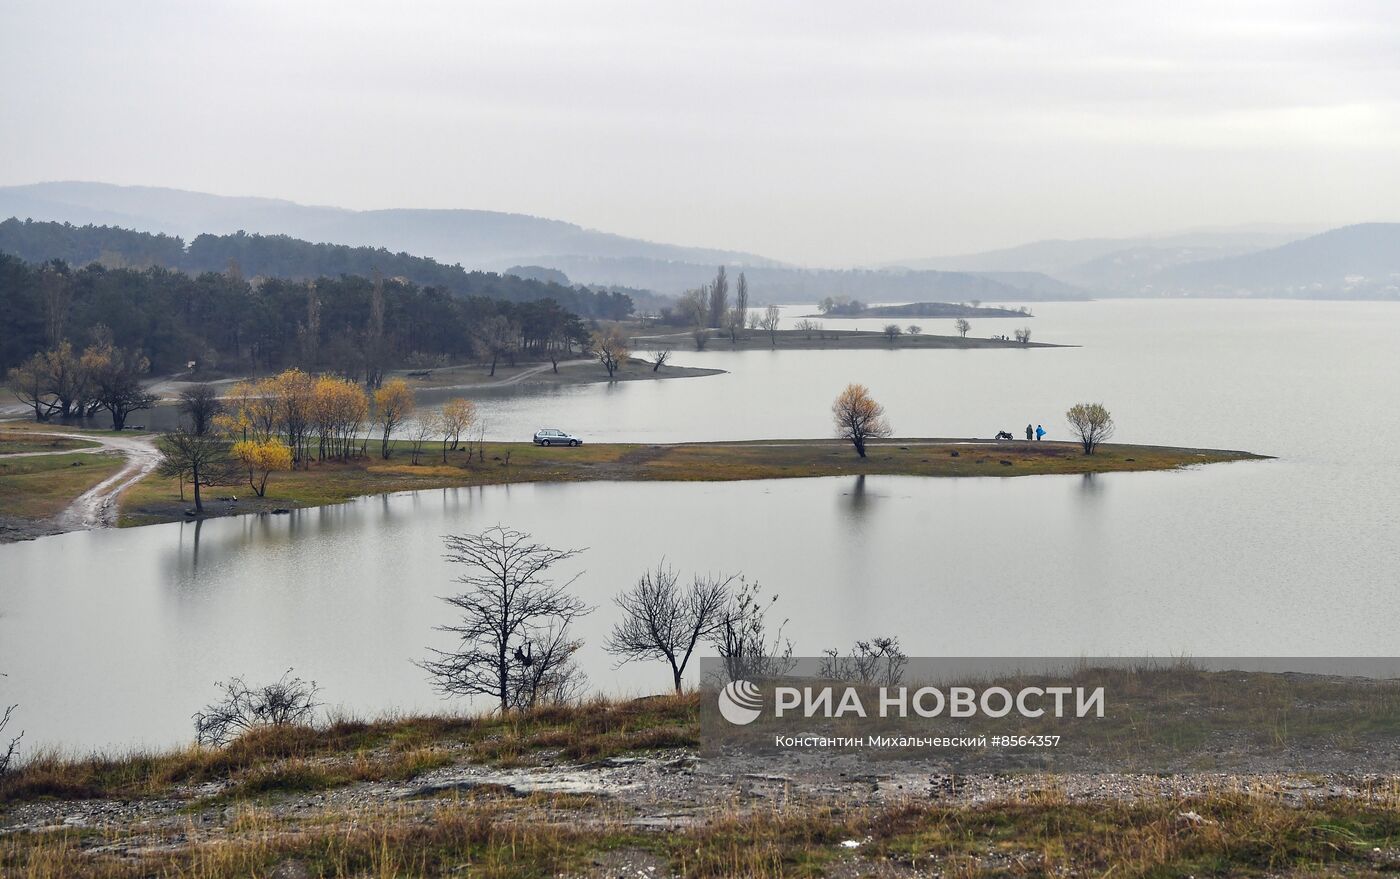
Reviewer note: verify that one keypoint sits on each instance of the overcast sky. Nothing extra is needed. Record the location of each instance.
(819, 132)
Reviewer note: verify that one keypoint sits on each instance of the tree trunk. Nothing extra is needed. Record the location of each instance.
(860, 447)
(198, 503)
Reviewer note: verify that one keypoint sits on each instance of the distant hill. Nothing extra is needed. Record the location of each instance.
(1039, 284)
(476, 239)
(280, 256)
(1361, 261)
(487, 241)
(1112, 266)
(789, 284)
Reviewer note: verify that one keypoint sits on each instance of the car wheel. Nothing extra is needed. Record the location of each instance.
(573, 443)
(544, 442)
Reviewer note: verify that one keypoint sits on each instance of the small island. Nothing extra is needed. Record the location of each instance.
(819, 338)
(154, 499)
(855, 308)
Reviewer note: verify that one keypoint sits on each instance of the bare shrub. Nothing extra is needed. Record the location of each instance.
(742, 640)
(288, 701)
(11, 752)
(878, 661)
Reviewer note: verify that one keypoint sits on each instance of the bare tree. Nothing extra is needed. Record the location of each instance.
(202, 460)
(116, 378)
(496, 337)
(514, 630)
(457, 417)
(1092, 423)
(962, 326)
(694, 306)
(913, 329)
(424, 429)
(661, 620)
(288, 701)
(739, 313)
(1023, 335)
(741, 638)
(659, 358)
(610, 348)
(200, 404)
(719, 299)
(11, 752)
(893, 332)
(56, 287)
(877, 661)
(858, 417)
(374, 335)
(807, 327)
(31, 385)
(769, 324)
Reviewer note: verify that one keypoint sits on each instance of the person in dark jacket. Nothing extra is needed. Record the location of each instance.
(1029, 432)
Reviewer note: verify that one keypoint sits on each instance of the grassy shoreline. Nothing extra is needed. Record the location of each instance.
(155, 500)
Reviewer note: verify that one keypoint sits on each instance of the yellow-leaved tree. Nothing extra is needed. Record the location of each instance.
(393, 403)
(457, 417)
(261, 458)
(858, 417)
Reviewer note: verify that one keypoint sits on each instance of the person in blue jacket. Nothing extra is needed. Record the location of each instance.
(1039, 433)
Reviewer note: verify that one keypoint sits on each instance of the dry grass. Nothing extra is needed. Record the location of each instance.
(1215, 834)
(43, 486)
(348, 751)
(15, 441)
(157, 500)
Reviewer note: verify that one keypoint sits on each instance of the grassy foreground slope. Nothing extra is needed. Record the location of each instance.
(356, 799)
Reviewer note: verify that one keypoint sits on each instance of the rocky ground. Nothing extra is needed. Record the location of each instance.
(624, 801)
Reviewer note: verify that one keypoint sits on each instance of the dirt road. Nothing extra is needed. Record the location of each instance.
(97, 507)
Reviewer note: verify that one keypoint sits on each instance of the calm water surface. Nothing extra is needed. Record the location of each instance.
(115, 638)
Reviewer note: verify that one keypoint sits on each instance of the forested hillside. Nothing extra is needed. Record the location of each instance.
(279, 256)
(349, 324)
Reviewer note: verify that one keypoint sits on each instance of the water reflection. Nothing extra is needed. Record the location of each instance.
(116, 636)
(856, 500)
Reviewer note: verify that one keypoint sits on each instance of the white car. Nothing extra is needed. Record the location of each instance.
(549, 436)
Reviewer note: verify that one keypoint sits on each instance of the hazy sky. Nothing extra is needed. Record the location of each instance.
(821, 132)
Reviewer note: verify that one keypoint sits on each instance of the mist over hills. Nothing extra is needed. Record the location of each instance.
(1354, 261)
(1361, 261)
(483, 240)
(486, 240)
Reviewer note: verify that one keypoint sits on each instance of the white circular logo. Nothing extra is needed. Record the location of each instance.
(740, 702)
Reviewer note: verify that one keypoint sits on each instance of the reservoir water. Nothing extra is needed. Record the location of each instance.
(115, 638)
